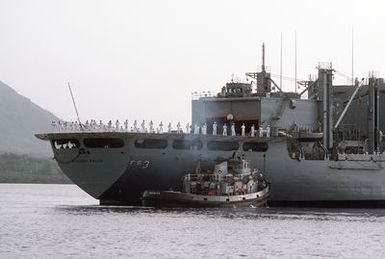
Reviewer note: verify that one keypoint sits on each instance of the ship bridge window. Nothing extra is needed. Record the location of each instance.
(65, 143)
(103, 142)
(187, 144)
(223, 145)
(151, 143)
(255, 146)
(235, 90)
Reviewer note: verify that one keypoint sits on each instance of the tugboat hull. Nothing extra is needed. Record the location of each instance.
(179, 199)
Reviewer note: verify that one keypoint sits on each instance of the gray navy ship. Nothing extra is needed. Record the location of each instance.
(322, 146)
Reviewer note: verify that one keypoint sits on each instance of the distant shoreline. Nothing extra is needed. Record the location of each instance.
(15, 168)
(38, 182)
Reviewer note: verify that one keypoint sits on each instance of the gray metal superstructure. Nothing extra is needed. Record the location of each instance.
(323, 150)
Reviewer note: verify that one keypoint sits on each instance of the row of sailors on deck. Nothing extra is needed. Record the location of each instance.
(64, 126)
(93, 126)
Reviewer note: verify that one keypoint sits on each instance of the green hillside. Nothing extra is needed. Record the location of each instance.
(25, 169)
(24, 158)
(20, 119)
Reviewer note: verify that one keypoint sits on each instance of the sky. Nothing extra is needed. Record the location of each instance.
(143, 59)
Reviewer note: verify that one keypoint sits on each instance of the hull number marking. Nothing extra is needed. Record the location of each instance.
(139, 163)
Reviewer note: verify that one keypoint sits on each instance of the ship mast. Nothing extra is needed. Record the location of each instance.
(263, 58)
(263, 78)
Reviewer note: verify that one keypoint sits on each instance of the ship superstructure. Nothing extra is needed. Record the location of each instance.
(325, 149)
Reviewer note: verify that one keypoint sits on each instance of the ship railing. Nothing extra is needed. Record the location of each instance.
(150, 128)
(197, 177)
(325, 65)
(376, 156)
(197, 95)
(308, 128)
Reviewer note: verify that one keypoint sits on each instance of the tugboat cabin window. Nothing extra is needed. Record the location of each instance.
(222, 145)
(255, 146)
(103, 143)
(65, 143)
(151, 143)
(187, 144)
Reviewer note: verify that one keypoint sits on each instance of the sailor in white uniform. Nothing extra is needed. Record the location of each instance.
(224, 130)
(233, 130)
(101, 125)
(151, 127)
(204, 129)
(169, 128)
(215, 128)
(143, 125)
(161, 127)
(178, 129)
(252, 131)
(196, 129)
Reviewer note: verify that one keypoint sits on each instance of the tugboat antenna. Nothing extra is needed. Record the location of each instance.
(73, 101)
(295, 60)
(353, 56)
(280, 66)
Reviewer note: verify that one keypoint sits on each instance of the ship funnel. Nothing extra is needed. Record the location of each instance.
(325, 82)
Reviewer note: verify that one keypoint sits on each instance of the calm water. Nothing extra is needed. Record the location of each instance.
(61, 221)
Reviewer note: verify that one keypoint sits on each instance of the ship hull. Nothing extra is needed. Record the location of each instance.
(120, 176)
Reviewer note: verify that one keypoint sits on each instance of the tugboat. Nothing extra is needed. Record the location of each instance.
(232, 184)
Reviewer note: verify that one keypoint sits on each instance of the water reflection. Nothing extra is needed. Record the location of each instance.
(276, 213)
